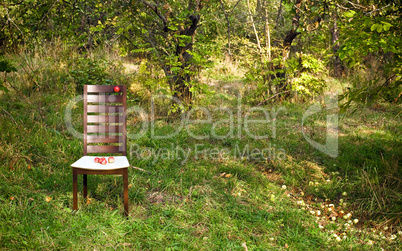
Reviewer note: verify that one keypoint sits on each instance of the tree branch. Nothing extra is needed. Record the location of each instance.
(9, 115)
(262, 102)
(155, 9)
(279, 14)
(387, 82)
(196, 6)
(140, 169)
(368, 13)
(51, 7)
(235, 6)
(227, 20)
(255, 30)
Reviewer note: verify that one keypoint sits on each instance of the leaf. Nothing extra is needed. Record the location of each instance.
(349, 13)
(386, 25)
(175, 69)
(6, 66)
(373, 27)
(288, 6)
(48, 198)
(379, 28)
(367, 21)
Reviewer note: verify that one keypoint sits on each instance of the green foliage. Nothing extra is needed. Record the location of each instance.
(309, 76)
(89, 71)
(371, 42)
(304, 72)
(149, 81)
(6, 67)
(83, 23)
(166, 36)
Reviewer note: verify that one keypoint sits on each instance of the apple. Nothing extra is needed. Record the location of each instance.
(104, 162)
(116, 89)
(96, 160)
(110, 159)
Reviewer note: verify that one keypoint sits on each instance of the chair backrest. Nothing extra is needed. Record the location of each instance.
(105, 119)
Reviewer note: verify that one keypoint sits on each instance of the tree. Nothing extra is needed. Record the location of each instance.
(372, 33)
(83, 23)
(287, 42)
(166, 33)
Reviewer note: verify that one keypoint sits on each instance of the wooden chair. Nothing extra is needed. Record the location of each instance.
(104, 133)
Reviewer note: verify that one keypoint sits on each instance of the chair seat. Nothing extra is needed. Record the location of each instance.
(88, 162)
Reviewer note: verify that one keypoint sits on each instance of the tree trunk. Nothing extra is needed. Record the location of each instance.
(337, 65)
(287, 42)
(255, 30)
(180, 81)
(267, 35)
(228, 21)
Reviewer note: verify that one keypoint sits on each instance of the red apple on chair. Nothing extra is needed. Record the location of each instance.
(96, 160)
(104, 162)
(110, 159)
(116, 89)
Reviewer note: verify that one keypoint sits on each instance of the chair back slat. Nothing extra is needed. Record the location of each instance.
(104, 99)
(102, 88)
(100, 139)
(103, 149)
(105, 108)
(105, 119)
(104, 129)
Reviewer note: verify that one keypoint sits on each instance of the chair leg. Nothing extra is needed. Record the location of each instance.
(85, 182)
(75, 199)
(125, 181)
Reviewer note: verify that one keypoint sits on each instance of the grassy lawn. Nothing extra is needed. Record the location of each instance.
(212, 185)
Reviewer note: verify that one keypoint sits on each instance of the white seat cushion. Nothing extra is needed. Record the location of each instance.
(88, 162)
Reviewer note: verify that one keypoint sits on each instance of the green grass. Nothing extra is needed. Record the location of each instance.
(203, 201)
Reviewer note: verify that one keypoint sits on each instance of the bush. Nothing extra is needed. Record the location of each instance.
(87, 71)
(308, 78)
